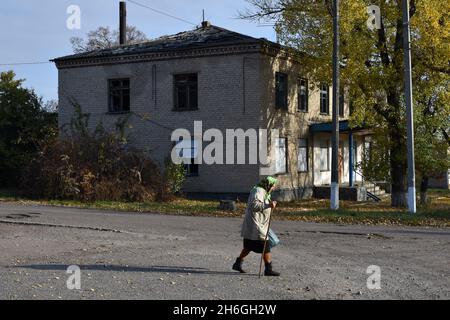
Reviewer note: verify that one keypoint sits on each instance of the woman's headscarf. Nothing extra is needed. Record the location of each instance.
(267, 184)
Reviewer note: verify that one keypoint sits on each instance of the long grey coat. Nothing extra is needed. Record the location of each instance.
(257, 214)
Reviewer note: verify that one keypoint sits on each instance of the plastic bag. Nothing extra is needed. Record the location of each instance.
(272, 239)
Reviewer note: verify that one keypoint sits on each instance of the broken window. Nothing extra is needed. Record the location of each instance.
(119, 95)
(185, 92)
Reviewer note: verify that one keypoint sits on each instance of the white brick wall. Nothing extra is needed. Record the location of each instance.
(220, 105)
(225, 101)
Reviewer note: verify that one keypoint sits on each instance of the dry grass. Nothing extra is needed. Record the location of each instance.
(435, 214)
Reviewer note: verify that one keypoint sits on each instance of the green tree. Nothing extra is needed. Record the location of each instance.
(432, 143)
(23, 125)
(371, 61)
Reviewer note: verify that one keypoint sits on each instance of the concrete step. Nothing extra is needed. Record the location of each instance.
(378, 192)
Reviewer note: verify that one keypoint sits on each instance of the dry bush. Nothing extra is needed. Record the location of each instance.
(90, 166)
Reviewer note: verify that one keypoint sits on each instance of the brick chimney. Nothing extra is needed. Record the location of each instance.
(123, 23)
(206, 24)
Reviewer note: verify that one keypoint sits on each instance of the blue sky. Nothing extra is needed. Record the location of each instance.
(35, 31)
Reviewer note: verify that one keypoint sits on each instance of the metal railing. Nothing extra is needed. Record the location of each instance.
(374, 184)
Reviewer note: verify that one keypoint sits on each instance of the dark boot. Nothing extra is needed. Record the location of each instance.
(238, 265)
(269, 271)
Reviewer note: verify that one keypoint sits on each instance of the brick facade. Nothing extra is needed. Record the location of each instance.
(235, 90)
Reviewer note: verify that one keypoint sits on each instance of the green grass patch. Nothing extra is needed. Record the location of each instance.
(435, 214)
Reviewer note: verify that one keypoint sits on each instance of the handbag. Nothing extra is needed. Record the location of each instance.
(273, 239)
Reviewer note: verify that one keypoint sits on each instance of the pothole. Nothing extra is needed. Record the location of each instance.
(18, 216)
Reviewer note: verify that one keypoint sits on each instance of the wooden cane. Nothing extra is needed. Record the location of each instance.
(265, 243)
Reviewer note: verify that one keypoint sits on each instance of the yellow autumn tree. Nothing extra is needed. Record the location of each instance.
(372, 62)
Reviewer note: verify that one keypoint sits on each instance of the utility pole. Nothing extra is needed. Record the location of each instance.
(334, 192)
(409, 109)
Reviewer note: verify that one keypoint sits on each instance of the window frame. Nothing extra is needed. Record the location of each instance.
(188, 87)
(277, 145)
(285, 88)
(121, 89)
(327, 105)
(299, 95)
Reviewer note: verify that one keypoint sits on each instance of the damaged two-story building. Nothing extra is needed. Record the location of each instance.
(227, 80)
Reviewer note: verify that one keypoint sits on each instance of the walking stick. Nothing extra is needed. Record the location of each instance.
(265, 243)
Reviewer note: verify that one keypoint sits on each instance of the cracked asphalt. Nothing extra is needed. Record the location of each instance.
(153, 256)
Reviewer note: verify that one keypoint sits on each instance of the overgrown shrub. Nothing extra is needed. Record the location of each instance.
(99, 165)
(171, 181)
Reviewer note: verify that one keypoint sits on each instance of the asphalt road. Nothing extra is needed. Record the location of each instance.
(152, 256)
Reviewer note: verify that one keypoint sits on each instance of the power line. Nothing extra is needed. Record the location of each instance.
(161, 12)
(24, 63)
(132, 1)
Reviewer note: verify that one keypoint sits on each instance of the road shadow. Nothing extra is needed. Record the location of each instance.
(118, 268)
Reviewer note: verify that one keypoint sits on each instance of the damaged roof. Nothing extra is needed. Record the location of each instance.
(205, 36)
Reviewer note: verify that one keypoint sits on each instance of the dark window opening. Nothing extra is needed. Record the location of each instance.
(281, 90)
(186, 91)
(324, 99)
(303, 95)
(119, 95)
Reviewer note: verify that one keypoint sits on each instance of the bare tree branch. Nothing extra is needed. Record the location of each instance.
(265, 9)
(103, 38)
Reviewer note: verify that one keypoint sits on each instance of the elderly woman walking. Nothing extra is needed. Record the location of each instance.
(256, 225)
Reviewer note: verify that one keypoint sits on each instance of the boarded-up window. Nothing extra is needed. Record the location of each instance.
(185, 92)
(281, 90)
(119, 95)
(281, 155)
(324, 158)
(302, 157)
